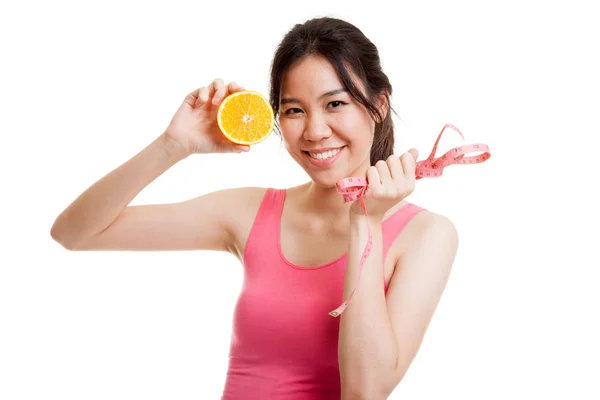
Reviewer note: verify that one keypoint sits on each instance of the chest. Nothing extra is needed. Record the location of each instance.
(312, 246)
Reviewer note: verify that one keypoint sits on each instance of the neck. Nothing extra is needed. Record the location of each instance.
(325, 201)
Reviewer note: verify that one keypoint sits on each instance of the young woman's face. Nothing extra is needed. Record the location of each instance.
(324, 129)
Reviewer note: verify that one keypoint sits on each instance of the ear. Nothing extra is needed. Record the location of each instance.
(382, 105)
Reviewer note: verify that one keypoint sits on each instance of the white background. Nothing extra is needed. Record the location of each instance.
(85, 86)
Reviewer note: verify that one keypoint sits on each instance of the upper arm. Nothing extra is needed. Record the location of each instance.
(203, 223)
(415, 289)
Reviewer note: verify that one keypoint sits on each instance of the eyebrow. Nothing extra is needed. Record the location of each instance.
(330, 93)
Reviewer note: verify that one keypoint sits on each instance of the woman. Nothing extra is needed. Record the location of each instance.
(301, 247)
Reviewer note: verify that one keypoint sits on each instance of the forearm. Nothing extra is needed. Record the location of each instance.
(367, 348)
(100, 205)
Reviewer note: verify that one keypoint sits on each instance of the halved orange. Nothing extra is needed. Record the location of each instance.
(246, 117)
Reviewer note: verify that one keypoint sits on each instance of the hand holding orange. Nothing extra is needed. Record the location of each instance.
(220, 118)
(194, 128)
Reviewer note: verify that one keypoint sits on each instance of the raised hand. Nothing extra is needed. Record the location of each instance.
(194, 126)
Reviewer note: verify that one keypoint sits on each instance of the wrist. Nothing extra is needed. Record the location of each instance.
(171, 148)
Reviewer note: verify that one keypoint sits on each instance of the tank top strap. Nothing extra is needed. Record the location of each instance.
(396, 223)
(270, 209)
(263, 234)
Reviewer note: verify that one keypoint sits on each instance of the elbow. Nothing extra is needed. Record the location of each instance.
(373, 392)
(349, 394)
(364, 395)
(65, 244)
(385, 389)
(374, 387)
(61, 238)
(379, 390)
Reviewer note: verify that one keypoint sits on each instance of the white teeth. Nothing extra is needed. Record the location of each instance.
(325, 155)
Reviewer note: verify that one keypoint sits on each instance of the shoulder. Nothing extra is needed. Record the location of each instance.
(241, 206)
(429, 221)
(428, 229)
(251, 193)
(247, 191)
(231, 203)
(243, 202)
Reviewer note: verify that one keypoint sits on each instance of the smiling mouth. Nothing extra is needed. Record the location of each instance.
(324, 155)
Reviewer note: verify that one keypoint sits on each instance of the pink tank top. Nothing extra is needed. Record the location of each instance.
(278, 355)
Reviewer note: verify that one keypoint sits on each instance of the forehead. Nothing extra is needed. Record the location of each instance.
(312, 75)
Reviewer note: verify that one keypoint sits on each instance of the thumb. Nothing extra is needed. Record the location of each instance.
(226, 146)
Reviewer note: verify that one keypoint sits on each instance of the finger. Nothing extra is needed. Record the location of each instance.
(384, 172)
(211, 88)
(408, 165)
(415, 153)
(219, 91)
(202, 96)
(395, 167)
(233, 87)
(373, 182)
(192, 97)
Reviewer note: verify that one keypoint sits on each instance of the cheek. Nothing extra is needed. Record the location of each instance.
(289, 135)
(356, 127)
(290, 129)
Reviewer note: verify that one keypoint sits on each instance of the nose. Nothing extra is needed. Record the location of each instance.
(317, 128)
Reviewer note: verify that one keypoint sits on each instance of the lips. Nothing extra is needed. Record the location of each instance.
(333, 154)
(324, 154)
(323, 150)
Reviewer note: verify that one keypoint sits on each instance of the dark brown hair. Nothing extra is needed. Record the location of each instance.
(342, 44)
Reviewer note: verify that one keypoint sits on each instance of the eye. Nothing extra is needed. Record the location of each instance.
(291, 111)
(337, 104)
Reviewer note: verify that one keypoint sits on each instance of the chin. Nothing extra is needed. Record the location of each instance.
(329, 178)
(324, 183)
(326, 174)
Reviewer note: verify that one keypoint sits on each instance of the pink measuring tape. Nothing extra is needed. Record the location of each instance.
(353, 189)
